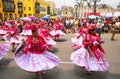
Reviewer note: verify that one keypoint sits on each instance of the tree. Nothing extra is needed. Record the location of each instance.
(118, 6)
(89, 6)
(79, 6)
(76, 7)
(104, 6)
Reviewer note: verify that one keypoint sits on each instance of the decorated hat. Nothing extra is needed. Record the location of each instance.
(92, 27)
(42, 23)
(12, 22)
(84, 23)
(34, 27)
(3, 23)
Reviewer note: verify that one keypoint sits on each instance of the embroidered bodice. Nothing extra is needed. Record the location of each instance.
(84, 30)
(28, 27)
(13, 30)
(36, 47)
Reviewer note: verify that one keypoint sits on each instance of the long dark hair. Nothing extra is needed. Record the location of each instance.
(91, 30)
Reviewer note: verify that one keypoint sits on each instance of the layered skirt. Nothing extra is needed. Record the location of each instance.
(50, 41)
(26, 32)
(82, 58)
(2, 32)
(32, 62)
(4, 48)
(77, 42)
(57, 33)
(13, 39)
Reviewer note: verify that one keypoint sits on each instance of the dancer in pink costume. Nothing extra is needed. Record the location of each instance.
(80, 56)
(3, 29)
(78, 38)
(27, 29)
(4, 48)
(97, 61)
(13, 36)
(90, 54)
(34, 57)
(46, 35)
(57, 32)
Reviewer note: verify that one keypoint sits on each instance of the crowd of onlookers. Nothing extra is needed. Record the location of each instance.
(71, 25)
(103, 25)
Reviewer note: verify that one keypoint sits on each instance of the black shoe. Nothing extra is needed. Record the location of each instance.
(13, 50)
(89, 72)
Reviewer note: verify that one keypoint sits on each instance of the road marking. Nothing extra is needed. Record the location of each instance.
(65, 62)
(65, 42)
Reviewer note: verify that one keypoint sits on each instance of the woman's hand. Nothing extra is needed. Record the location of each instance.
(96, 43)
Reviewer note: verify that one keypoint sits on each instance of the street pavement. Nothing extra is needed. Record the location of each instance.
(66, 69)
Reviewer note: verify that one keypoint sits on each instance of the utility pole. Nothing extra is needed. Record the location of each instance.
(76, 12)
(94, 10)
(95, 4)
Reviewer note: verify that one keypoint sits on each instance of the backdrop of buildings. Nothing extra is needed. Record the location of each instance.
(39, 8)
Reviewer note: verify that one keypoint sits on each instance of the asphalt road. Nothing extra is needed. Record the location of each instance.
(66, 69)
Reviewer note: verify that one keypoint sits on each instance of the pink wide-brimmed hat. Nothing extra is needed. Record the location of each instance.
(92, 27)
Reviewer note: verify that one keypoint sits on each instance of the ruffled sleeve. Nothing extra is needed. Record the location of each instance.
(44, 45)
(28, 43)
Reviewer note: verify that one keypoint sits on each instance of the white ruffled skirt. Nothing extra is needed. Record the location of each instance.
(14, 39)
(4, 48)
(26, 32)
(2, 32)
(57, 32)
(82, 58)
(50, 41)
(32, 62)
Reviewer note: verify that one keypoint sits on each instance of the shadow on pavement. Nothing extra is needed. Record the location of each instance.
(61, 40)
(56, 73)
(5, 62)
(78, 73)
(52, 74)
(55, 50)
(15, 73)
(95, 75)
(115, 40)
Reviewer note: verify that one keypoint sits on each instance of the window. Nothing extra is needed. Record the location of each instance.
(24, 8)
(29, 8)
(65, 12)
(25, 15)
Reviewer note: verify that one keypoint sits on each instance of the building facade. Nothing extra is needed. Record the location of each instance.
(1, 10)
(51, 7)
(43, 8)
(21, 8)
(7, 9)
(85, 11)
(67, 11)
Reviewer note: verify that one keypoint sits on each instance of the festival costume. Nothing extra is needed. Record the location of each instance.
(3, 29)
(4, 48)
(97, 62)
(78, 38)
(35, 58)
(82, 56)
(27, 30)
(47, 36)
(57, 31)
(12, 36)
